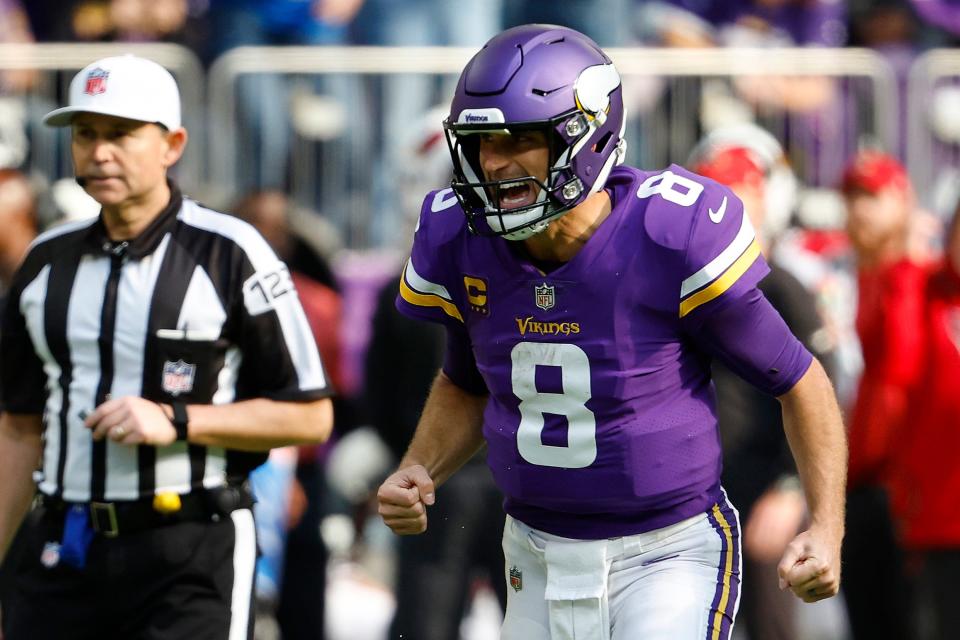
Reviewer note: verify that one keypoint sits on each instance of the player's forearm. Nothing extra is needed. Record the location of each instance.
(450, 430)
(814, 428)
(260, 424)
(20, 450)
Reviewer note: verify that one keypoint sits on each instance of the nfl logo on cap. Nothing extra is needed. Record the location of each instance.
(96, 82)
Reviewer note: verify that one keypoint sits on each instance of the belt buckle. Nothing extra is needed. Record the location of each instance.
(109, 529)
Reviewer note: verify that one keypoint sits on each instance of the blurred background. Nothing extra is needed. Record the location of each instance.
(319, 121)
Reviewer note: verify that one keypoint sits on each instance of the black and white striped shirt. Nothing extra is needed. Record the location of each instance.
(197, 308)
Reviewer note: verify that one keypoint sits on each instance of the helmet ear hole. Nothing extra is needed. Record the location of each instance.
(601, 144)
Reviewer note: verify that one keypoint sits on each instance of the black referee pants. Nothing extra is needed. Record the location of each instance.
(192, 580)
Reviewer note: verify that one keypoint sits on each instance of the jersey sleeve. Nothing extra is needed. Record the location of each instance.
(280, 356)
(426, 291)
(722, 260)
(459, 363)
(753, 341)
(720, 303)
(22, 378)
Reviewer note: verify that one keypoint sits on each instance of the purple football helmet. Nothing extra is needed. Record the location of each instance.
(545, 78)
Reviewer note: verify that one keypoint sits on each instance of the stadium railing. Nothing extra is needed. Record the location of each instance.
(359, 156)
(342, 128)
(933, 129)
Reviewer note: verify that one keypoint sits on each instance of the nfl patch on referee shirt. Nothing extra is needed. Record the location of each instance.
(178, 377)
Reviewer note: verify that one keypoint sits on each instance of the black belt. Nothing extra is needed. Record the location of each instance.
(111, 519)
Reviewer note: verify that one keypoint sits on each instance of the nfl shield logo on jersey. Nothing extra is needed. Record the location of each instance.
(96, 82)
(516, 578)
(178, 377)
(543, 296)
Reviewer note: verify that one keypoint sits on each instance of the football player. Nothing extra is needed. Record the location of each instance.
(583, 302)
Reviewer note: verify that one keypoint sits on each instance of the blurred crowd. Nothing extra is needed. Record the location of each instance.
(863, 274)
(206, 25)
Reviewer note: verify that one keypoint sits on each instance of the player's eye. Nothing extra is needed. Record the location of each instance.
(529, 138)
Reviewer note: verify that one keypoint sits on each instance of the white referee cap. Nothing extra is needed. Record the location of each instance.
(124, 86)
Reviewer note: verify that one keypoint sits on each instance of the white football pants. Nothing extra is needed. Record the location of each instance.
(680, 582)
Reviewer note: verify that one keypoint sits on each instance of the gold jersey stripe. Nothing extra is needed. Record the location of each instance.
(727, 572)
(428, 300)
(724, 282)
(722, 262)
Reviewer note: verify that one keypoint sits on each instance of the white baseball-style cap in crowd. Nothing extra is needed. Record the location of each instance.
(125, 86)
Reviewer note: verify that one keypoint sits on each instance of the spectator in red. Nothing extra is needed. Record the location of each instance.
(882, 224)
(925, 478)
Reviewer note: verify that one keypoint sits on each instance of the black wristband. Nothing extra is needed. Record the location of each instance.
(180, 420)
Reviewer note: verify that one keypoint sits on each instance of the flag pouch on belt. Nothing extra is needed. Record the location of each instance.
(77, 535)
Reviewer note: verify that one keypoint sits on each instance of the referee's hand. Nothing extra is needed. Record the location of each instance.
(131, 420)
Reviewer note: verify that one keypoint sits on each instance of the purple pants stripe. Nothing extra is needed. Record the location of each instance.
(724, 605)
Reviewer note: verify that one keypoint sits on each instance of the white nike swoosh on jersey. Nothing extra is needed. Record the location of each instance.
(717, 216)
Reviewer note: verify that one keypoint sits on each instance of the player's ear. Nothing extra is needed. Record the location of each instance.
(176, 143)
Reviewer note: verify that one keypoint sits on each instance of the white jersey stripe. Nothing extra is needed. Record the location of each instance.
(83, 333)
(129, 338)
(215, 473)
(301, 345)
(249, 239)
(201, 316)
(62, 229)
(34, 295)
(722, 262)
(215, 470)
(173, 469)
(244, 557)
(421, 285)
(293, 321)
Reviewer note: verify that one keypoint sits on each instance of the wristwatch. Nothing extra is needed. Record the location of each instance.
(180, 420)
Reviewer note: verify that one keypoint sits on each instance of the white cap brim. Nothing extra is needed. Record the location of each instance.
(63, 117)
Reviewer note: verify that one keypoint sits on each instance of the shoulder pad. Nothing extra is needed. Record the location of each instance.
(675, 199)
(424, 288)
(441, 217)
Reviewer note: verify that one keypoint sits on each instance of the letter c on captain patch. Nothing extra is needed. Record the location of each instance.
(476, 294)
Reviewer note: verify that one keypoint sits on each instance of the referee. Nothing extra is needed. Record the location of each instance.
(150, 358)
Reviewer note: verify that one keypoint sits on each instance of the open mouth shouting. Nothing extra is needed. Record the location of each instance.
(513, 195)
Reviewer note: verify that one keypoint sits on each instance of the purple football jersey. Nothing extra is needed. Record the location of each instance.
(601, 419)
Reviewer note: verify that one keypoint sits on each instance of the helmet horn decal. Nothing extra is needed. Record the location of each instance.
(593, 88)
